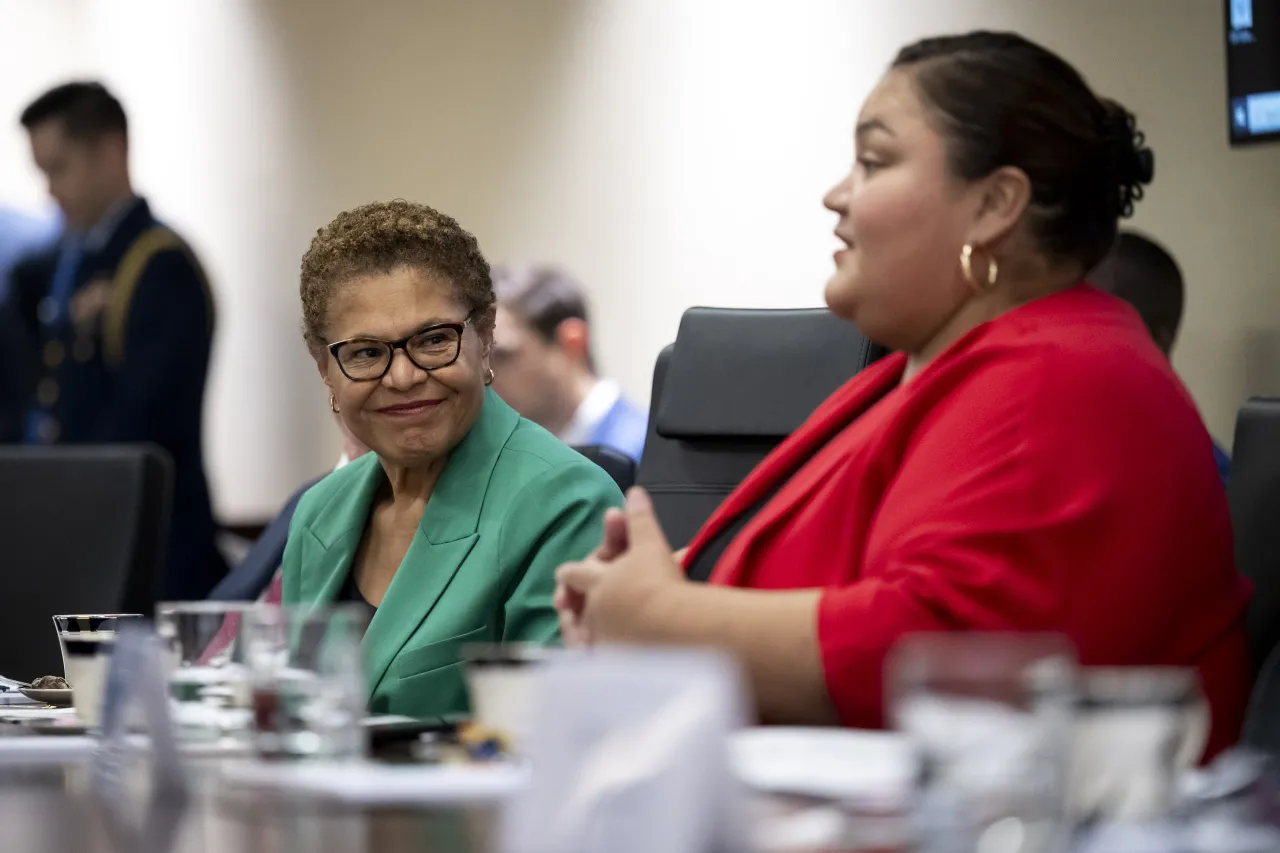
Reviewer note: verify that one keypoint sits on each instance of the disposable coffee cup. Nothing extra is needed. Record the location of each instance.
(501, 682)
(87, 642)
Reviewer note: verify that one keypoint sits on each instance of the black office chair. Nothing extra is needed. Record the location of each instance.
(734, 384)
(83, 530)
(1253, 491)
(1262, 723)
(618, 465)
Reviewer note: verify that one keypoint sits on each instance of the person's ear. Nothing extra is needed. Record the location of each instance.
(111, 152)
(1003, 198)
(574, 338)
(321, 357)
(485, 324)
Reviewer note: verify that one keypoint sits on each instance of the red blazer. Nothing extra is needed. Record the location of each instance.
(1049, 472)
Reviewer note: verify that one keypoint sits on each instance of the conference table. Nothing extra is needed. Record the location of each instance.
(48, 810)
(60, 805)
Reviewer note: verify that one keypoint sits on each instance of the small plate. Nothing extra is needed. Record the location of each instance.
(61, 698)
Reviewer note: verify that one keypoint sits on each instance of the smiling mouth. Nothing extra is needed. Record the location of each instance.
(407, 409)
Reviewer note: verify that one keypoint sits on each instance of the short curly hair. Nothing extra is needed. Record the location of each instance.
(380, 237)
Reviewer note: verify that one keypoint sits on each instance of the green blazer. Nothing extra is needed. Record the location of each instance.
(511, 505)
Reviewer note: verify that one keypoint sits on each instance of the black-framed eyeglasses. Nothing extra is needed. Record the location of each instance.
(369, 359)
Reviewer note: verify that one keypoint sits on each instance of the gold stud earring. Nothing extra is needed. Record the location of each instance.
(333, 403)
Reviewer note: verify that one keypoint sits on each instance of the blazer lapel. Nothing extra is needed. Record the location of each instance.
(446, 535)
(837, 412)
(329, 544)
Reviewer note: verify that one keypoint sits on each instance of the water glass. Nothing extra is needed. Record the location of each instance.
(1138, 729)
(86, 642)
(307, 684)
(206, 669)
(992, 718)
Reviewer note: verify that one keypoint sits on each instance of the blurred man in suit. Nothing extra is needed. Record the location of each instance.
(1141, 272)
(120, 318)
(543, 364)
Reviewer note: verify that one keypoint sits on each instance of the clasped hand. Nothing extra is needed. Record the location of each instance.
(618, 593)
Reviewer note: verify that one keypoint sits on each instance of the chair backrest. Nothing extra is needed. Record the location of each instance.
(618, 465)
(1253, 491)
(84, 530)
(734, 384)
(1262, 723)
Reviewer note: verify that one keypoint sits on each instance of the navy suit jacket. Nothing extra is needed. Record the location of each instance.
(131, 368)
(250, 579)
(623, 428)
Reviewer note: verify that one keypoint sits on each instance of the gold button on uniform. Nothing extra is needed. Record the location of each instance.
(47, 310)
(47, 392)
(54, 353)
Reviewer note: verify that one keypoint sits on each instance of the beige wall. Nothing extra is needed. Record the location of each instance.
(672, 152)
(31, 51)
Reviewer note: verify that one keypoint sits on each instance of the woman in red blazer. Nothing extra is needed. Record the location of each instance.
(1028, 461)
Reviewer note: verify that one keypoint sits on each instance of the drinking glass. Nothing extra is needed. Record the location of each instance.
(1138, 730)
(991, 716)
(306, 680)
(208, 677)
(86, 642)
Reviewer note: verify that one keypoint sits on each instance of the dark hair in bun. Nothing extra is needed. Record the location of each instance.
(1132, 163)
(999, 100)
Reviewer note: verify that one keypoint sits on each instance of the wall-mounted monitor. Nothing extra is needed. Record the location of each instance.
(1253, 70)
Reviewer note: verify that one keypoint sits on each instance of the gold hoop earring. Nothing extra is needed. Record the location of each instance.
(966, 268)
(966, 265)
(488, 379)
(333, 403)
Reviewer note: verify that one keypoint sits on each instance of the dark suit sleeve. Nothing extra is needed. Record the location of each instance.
(19, 360)
(167, 337)
(248, 580)
(16, 370)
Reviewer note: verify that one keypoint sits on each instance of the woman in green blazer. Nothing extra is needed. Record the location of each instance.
(450, 531)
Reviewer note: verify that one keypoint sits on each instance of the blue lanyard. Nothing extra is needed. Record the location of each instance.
(56, 313)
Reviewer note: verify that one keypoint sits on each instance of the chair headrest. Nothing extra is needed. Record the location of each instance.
(738, 373)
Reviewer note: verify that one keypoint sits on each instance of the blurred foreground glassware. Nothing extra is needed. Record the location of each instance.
(86, 642)
(1233, 805)
(307, 684)
(1137, 730)
(992, 718)
(207, 671)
